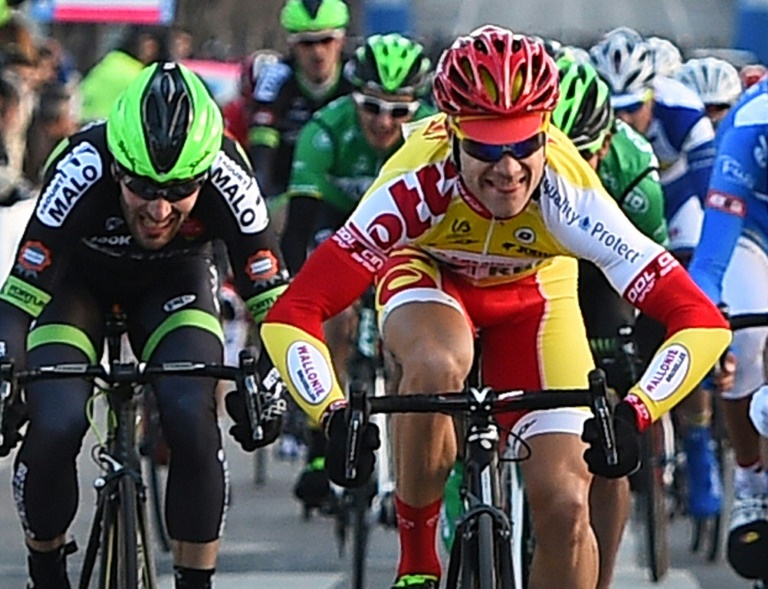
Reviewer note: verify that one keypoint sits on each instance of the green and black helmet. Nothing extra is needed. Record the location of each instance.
(391, 63)
(301, 16)
(584, 111)
(166, 126)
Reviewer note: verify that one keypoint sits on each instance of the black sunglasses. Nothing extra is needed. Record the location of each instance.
(148, 189)
(490, 153)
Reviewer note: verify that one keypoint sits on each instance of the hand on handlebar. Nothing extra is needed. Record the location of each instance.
(336, 429)
(273, 405)
(627, 444)
(13, 412)
(725, 372)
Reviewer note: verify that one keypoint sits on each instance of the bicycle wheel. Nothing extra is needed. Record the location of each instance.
(360, 532)
(654, 501)
(127, 535)
(521, 541)
(156, 499)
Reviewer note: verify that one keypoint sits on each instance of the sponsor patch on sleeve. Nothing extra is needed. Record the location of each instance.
(75, 173)
(241, 192)
(261, 266)
(727, 203)
(666, 372)
(309, 372)
(34, 256)
(645, 282)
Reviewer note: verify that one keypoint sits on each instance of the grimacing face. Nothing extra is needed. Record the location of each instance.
(154, 223)
(505, 187)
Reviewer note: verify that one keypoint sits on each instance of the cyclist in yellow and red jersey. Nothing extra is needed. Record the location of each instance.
(474, 227)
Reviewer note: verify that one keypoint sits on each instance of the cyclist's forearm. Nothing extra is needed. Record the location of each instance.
(697, 335)
(14, 325)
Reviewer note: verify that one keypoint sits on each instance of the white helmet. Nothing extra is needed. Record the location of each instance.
(625, 61)
(715, 80)
(667, 56)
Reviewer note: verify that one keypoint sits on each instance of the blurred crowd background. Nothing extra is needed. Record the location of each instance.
(62, 62)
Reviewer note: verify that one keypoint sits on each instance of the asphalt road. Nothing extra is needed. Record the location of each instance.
(268, 545)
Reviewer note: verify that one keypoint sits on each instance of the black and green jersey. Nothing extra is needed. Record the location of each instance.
(333, 162)
(630, 174)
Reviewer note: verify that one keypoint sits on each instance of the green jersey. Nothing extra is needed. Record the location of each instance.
(333, 162)
(630, 174)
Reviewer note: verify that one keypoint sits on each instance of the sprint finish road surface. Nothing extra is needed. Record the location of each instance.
(267, 545)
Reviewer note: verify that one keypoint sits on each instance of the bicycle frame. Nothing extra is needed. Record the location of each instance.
(481, 557)
(119, 532)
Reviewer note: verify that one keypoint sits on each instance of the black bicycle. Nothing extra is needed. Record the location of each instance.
(481, 557)
(119, 537)
(352, 509)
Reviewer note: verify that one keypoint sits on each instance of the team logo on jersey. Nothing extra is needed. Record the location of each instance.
(735, 172)
(525, 235)
(636, 202)
(667, 372)
(241, 191)
(561, 203)
(179, 302)
(270, 81)
(309, 372)
(34, 256)
(645, 282)
(80, 169)
(113, 223)
(727, 203)
(760, 152)
(261, 266)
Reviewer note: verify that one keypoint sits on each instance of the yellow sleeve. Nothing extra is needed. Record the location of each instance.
(304, 363)
(678, 367)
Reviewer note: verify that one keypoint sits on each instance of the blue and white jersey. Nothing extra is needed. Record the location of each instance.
(683, 139)
(737, 200)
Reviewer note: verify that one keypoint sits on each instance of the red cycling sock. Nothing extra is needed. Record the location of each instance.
(417, 526)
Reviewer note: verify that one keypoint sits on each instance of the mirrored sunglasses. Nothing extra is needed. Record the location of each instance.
(377, 106)
(150, 190)
(490, 153)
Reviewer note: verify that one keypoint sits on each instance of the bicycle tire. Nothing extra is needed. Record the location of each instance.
(156, 500)
(127, 535)
(360, 533)
(92, 548)
(654, 501)
(486, 552)
(146, 564)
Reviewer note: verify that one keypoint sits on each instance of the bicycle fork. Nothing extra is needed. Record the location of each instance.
(482, 553)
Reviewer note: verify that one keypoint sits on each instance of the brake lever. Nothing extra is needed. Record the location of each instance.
(358, 410)
(249, 386)
(6, 391)
(602, 413)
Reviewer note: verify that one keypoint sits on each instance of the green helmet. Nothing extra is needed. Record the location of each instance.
(299, 16)
(584, 111)
(165, 126)
(390, 63)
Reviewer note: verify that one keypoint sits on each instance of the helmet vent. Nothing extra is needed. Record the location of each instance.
(312, 7)
(166, 116)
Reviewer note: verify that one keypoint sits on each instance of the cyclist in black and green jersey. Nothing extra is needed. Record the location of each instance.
(625, 162)
(338, 155)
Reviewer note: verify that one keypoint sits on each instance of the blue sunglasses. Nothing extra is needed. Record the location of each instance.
(490, 153)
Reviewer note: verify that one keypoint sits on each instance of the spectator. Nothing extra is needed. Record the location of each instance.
(110, 76)
(54, 119)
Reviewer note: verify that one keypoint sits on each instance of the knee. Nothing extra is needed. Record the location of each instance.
(188, 423)
(561, 518)
(54, 440)
(434, 370)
